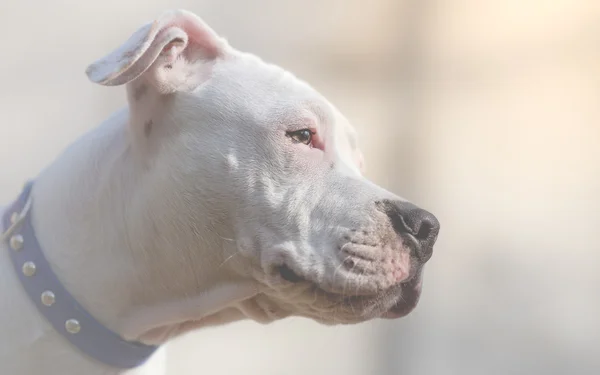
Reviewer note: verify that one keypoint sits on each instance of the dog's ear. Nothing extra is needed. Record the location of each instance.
(174, 52)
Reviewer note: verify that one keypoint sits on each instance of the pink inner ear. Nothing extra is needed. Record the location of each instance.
(173, 49)
(200, 34)
(177, 28)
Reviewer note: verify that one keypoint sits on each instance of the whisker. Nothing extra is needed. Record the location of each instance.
(344, 290)
(315, 294)
(358, 284)
(335, 306)
(226, 239)
(227, 259)
(338, 267)
(346, 281)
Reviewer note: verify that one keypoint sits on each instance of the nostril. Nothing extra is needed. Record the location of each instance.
(424, 230)
(408, 218)
(427, 227)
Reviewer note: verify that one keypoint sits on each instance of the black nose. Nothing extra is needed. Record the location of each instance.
(406, 218)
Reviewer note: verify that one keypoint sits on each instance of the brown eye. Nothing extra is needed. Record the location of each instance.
(301, 136)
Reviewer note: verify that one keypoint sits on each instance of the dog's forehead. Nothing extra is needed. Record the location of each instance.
(277, 88)
(276, 97)
(244, 84)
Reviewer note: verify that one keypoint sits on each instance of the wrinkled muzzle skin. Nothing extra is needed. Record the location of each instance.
(333, 255)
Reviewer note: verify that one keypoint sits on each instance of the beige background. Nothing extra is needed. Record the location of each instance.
(486, 112)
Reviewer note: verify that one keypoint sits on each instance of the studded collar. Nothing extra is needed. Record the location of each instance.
(54, 302)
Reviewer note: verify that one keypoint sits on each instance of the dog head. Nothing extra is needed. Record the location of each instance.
(276, 168)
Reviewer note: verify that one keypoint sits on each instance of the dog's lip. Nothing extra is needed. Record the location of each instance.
(411, 293)
(399, 310)
(401, 298)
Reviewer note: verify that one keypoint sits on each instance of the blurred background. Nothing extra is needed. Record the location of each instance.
(485, 112)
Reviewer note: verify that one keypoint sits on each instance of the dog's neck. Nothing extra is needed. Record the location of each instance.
(122, 245)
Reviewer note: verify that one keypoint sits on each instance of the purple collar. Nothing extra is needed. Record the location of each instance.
(55, 303)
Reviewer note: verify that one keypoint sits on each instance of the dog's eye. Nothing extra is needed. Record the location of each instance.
(304, 136)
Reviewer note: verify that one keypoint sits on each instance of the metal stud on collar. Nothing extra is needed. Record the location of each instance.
(73, 326)
(53, 300)
(16, 242)
(48, 298)
(29, 269)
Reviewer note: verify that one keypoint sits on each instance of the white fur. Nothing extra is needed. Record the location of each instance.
(175, 213)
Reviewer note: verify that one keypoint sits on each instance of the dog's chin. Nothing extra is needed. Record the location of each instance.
(402, 300)
(409, 298)
(322, 304)
(394, 303)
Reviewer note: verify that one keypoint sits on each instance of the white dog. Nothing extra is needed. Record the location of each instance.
(227, 190)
